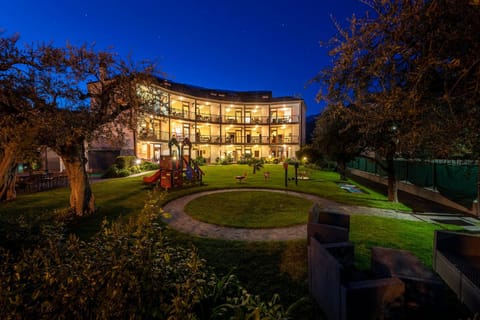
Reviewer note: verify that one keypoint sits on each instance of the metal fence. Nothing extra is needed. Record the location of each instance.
(454, 179)
(40, 182)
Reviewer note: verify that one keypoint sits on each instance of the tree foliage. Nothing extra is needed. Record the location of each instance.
(17, 136)
(63, 98)
(412, 71)
(333, 139)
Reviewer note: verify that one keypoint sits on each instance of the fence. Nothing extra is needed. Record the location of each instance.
(454, 179)
(40, 182)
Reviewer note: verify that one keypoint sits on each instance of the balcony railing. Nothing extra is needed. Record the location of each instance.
(217, 139)
(232, 119)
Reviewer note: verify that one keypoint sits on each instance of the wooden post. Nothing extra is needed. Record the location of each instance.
(285, 166)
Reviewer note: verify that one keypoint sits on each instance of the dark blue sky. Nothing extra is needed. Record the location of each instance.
(235, 45)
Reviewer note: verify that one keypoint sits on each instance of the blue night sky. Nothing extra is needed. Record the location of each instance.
(234, 45)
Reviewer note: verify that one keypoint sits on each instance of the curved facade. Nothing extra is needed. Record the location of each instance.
(219, 123)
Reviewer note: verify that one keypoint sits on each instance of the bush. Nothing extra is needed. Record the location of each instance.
(134, 169)
(148, 166)
(127, 271)
(224, 161)
(200, 160)
(123, 173)
(112, 172)
(125, 162)
(24, 230)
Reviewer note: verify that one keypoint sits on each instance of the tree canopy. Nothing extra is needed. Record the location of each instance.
(64, 97)
(412, 71)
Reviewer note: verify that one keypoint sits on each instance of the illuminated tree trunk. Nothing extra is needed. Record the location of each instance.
(82, 200)
(7, 173)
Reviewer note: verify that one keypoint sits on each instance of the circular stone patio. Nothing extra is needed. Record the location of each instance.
(182, 222)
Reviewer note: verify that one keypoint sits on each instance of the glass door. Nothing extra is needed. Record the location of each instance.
(238, 115)
(248, 116)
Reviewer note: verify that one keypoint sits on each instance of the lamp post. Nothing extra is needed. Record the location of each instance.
(296, 172)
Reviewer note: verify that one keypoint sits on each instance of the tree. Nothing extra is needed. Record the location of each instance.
(334, 140)
(411, 68)
(256, 164)
(310, 154)
(74, 95)
(17, 136)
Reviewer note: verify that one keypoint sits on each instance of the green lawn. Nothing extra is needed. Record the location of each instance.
(264, 267)
(250, 209)
(321, 183)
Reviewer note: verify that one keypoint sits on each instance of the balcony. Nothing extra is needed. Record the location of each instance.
(164, 136)
(284, 120)
(231, 119)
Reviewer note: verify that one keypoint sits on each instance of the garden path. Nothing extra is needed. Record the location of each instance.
(182, 222)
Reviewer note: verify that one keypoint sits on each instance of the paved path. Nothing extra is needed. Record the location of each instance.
(181, 221)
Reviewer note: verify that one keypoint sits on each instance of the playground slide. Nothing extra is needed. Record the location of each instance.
(190, 172)
(152, 179)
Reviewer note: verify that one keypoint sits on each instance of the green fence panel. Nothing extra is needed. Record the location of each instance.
(371, 166)
(401, 169)
(421, 174)
(362, 164)
(457, 182)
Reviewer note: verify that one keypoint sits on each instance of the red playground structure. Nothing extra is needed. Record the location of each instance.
(176, 168)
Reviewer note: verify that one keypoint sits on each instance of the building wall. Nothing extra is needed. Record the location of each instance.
(274, 128)
(219, 124)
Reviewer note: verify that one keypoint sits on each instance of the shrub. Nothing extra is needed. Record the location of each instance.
(224, 161)
(112, 172)
(134, 169)
(125, 162)
(123, 173)
(127, 271)
(200, 160)
(148, 166)
(23, 230)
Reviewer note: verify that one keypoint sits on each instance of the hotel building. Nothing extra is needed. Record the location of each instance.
(218, 123)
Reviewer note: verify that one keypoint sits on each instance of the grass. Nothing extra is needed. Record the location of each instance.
(369, 231)
(257, 209)
(321, 183)
(264, 268)
(114, 199)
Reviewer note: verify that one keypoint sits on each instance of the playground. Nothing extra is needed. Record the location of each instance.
(177, 168)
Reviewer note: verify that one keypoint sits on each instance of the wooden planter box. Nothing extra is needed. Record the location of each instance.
(456, 258)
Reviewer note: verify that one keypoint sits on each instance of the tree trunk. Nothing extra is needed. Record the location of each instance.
(341, 166)
(392, 181)
(82, 200)
(7, 173)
